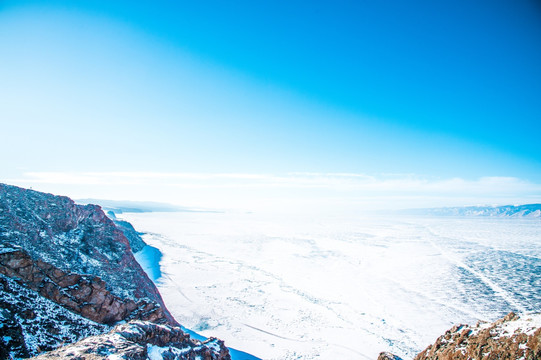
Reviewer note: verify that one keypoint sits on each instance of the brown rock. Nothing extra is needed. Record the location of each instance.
(132, 341)
(489, 341)
(62, 238)
(388, 356)
(85, 295)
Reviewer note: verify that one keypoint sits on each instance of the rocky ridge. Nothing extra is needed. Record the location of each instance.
(73, 238)
(134, 237)
(140, 340)
(68, 272)
(512, 337)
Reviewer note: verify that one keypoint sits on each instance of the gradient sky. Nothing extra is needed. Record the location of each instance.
(296, 95)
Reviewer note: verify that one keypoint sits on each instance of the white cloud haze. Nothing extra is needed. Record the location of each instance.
(338, 191)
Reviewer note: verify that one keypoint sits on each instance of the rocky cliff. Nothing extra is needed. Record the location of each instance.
(87, 295)
(68, 272)
(140, 340)
(74, 239)
(510, 338)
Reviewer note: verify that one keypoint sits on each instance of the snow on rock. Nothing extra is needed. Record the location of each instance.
(527, 324)
(388, 356)
(134, 237)
(30, 323)
(73, 239)
(68, 273)
(141, 340)
(512, 337)
(86, 295)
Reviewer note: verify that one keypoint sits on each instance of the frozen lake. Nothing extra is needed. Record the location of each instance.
(290, 287)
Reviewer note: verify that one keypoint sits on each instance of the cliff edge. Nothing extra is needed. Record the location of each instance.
(68, 272)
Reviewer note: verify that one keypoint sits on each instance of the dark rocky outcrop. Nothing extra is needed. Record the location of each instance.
(30, 323)
(133, 236)
(388, 356)
(74, 239)
(86, 295)
(68, 272)
(140, 340)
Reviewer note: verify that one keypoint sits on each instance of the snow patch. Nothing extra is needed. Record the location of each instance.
(527, 324)
(115, 357)
(8, 248)
(154, 352)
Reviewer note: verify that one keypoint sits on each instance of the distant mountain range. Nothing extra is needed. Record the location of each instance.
(122, 206)
(526, 211)
(132, 206)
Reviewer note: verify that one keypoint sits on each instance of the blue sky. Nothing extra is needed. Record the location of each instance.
(421, 91)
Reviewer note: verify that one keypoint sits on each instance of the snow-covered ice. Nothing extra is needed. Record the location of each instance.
(292, 287)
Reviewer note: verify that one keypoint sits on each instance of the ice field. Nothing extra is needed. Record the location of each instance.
(327, 287)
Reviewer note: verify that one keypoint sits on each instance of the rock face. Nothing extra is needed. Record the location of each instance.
(388, 356)
(134, 238)
(73, 239)
(30, 323)
(86, 295)
(140, 340)
(512, 337)
(67, 272)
